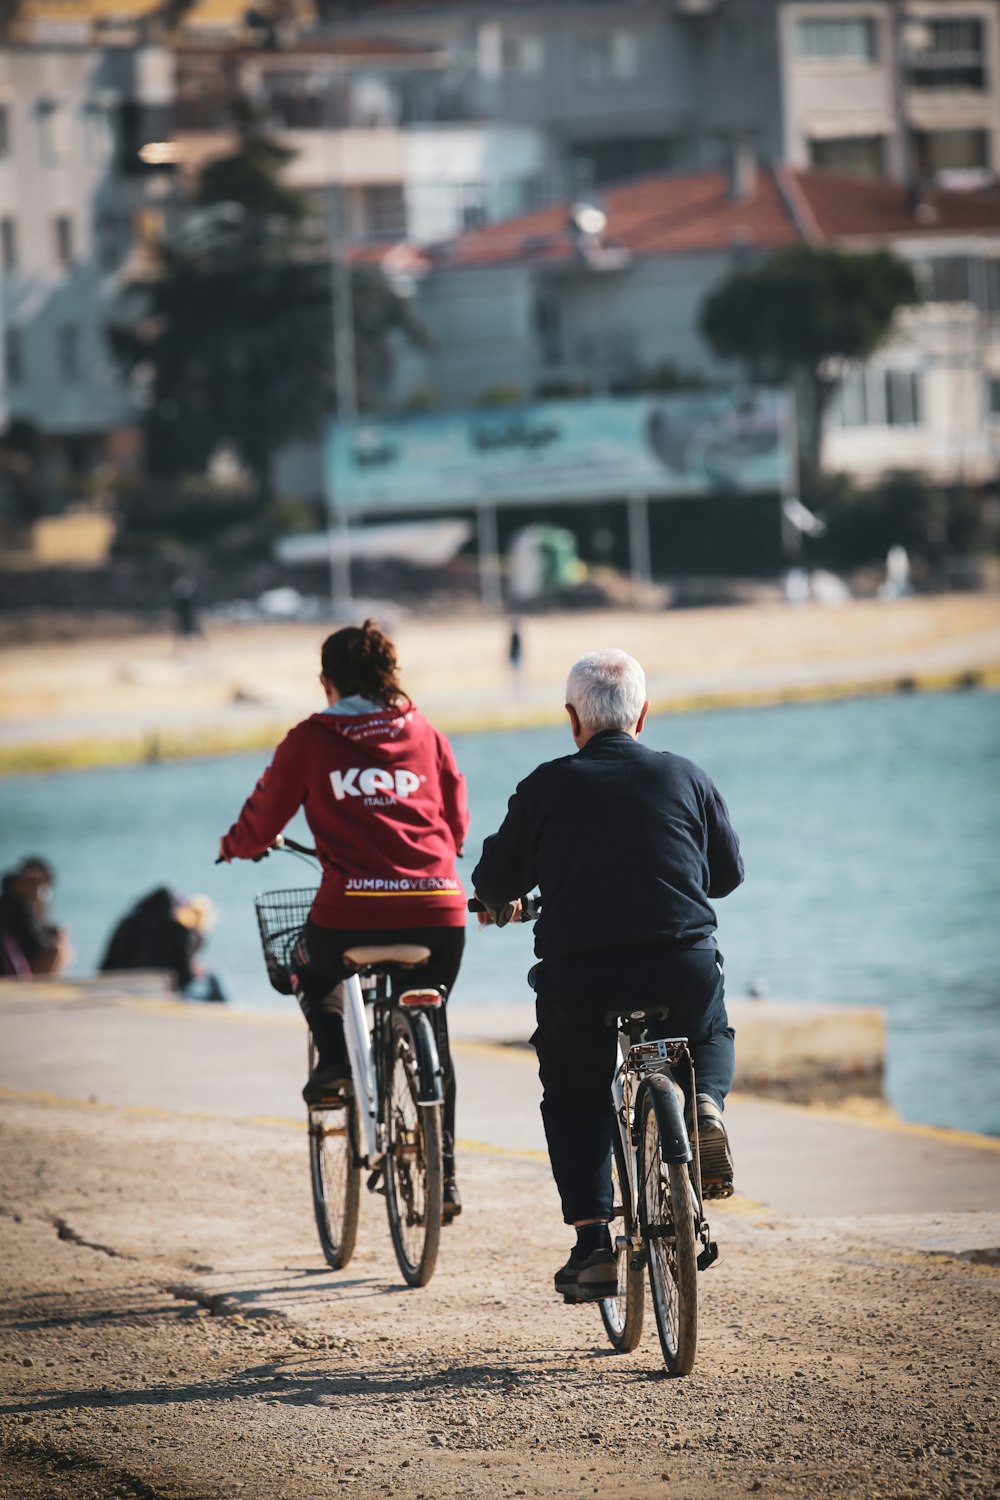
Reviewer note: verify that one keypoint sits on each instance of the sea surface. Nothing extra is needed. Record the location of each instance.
(870, 830)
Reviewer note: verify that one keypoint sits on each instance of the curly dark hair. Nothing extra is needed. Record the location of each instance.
(361, 659)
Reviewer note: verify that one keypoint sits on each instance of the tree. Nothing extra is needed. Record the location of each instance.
(790, 316)
(233, 343)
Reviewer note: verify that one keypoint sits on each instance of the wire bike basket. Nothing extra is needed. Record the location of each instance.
(281, 916)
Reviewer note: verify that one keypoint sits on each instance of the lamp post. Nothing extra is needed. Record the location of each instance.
(345, 384)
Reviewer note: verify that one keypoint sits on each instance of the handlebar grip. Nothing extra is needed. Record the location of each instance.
(501, 915)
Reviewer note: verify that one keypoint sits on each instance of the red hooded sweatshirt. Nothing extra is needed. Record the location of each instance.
(387, 807)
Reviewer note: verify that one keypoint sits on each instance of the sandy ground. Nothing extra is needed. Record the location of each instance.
(169, 1332)
(457, 670)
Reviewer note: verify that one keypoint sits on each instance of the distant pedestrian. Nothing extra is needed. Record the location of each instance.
(187, 623)
(515, 650)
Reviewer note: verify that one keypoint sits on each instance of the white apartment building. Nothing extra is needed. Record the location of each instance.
(878, 89)
(75, 201)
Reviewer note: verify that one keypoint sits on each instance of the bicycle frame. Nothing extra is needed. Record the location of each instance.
(641, 1060)
(359, 1052)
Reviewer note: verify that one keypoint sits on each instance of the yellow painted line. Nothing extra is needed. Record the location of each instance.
(281, 1122)
(497, 1052)
(482, 1148)
(887, 1121)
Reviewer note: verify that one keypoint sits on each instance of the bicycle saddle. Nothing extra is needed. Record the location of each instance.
(403, 955)
(636, 1013)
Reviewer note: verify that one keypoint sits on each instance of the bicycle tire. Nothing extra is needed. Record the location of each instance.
(414, 1168)
(666, 1214)
(622, 1315)
(335, 1173)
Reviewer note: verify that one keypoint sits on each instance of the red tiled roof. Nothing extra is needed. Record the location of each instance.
(855, 208)
(655, 216)
(690, 214)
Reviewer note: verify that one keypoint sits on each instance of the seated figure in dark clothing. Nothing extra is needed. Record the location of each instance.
(29, 942)
(166, 931)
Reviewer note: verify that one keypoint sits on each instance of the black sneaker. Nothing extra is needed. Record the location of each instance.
(589, 1278)
(713, 1148)
(327, 1084)
(451, 1205)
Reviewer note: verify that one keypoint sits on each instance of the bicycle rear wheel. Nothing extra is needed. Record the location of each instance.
(335, 1170)
(666, 1213)
(622, 1315)
(414, 1173)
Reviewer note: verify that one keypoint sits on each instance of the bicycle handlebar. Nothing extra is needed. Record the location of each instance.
(531, 907)
(281, 842)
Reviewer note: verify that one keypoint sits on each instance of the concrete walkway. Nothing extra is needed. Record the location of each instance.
(63, 1042)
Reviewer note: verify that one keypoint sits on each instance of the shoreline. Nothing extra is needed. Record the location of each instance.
(44, 756)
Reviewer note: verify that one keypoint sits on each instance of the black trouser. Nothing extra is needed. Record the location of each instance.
(578, 1052)
(320, 968)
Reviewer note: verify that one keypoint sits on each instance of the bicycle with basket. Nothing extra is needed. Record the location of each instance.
(388, 1120)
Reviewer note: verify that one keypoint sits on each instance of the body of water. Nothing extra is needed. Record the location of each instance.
(870, 830)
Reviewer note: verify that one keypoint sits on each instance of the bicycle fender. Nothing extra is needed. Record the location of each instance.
(425, 1051)
(669, 1116)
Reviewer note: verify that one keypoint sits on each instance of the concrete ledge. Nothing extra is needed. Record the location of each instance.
(787, 1049)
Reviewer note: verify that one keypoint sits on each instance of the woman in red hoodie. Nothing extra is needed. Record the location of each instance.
(387, 807)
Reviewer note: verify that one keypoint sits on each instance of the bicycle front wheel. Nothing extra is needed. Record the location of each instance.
(414, 1172)
(335, 1170)
(666, 1213)
(622, 1314)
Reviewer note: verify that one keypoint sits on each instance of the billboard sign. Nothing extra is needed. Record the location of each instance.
(697, 443)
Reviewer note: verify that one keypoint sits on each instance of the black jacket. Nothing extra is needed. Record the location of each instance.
(626, 844)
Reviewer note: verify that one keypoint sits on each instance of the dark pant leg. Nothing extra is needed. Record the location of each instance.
(320, 968)
(577, 1050)
(691, 985)
(576, 1064)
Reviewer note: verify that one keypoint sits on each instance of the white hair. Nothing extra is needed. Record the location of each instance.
(607, 689)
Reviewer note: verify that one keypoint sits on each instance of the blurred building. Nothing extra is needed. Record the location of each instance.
(545, 306)
(865, 87)
(483, 136)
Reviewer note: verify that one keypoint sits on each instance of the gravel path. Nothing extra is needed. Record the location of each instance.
(169, 1333)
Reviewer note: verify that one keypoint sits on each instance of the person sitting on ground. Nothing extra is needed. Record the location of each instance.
(166, 930)
(30, 942)
(387, 808)
(627, 846)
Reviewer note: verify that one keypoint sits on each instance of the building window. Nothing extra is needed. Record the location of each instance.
(851, 155)
(605, 55)
(877, 398)
(902, 398)
(945, 54)
(96, 135)
(524, 55)
(993, 396)
(4, 132)
(963, 278)
(53, 136)
(383, 210)
(951, 151)
(8, 245)
(63, 230)
(68, 353)
(548, 326)
(13, 356)
(851, 39)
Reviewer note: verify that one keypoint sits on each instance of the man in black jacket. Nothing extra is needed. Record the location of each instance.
(628, 847)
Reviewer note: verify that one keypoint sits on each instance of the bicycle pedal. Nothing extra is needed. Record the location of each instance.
(376, 1182)
(708, 1256)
